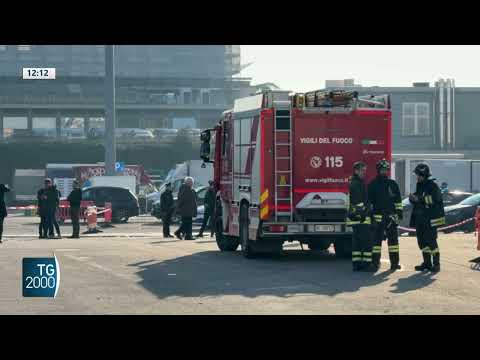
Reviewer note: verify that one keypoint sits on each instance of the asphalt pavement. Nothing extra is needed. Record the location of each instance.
(132, 269)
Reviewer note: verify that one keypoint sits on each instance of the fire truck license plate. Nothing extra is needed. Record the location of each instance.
(324, 228)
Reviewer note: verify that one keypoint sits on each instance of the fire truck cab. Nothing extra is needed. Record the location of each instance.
(282, 164)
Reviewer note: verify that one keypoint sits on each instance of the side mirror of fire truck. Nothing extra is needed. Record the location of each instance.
(205, 147)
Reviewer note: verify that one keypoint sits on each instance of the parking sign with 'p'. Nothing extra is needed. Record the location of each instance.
(119, 166)
(41, 277)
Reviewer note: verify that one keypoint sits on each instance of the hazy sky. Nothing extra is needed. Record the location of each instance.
(303, 68)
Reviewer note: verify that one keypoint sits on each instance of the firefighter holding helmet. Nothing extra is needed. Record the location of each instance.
(387, 211)
(359, 219)
(427, 215)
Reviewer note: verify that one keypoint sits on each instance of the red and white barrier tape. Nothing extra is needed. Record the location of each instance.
(104, 211)
(442, 228)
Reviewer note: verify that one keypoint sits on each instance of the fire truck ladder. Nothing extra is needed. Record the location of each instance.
(283, 152)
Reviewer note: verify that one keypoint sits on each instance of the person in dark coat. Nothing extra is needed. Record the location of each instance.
(359, 218)
(186, 208)
(42, 210)
(209, 206)
(427, 216)
(75, 200)
(47, 204)
(167, 207)
(3, 207)
(181, 231)
(54, 215)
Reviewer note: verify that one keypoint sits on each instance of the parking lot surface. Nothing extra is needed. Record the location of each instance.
(132, 269)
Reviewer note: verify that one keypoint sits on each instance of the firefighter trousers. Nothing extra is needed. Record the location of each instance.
(427, 242)
(390, 233)
(361, 246)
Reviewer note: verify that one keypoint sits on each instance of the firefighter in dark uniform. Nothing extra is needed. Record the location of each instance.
(359, 219)
(427, 215)
(384, 195)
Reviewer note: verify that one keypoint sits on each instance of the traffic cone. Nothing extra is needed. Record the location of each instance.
(92, 220)
(108, 213)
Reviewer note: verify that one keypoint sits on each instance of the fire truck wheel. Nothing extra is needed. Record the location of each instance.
(245, 242)
(226, 243)
(343, 247)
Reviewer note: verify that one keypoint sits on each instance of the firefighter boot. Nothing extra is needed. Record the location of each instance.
(376, 255)
(427, 262)
(394, 261)
(436, 261)
(357, 263)
(368, 265)
(376, 260)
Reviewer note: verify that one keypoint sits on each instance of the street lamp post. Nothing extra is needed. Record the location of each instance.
(110, 119)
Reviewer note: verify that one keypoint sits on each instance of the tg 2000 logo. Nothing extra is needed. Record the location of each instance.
(41, 277)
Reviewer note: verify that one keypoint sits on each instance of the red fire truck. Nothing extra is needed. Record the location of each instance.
(282, 163)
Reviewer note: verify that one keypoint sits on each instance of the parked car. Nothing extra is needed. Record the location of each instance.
(450, 198)
(462, 211)
(201, 191)
(165, 134)
(124, 202)
(133, 133)
(199, 219)
(142, 134)
(194, 133)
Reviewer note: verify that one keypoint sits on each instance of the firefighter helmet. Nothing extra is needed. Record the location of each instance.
(358, 165)
(422, 170)
(383, 165)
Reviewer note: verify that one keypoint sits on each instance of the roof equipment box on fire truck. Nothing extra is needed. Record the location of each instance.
(282, 164)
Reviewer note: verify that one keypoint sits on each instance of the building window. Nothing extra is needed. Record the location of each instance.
(205, 98)
(24, 47)
(416, 119)
(187, 98)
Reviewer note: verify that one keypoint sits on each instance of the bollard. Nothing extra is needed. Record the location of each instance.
(108, 213)
(92, 218)
(107, 216)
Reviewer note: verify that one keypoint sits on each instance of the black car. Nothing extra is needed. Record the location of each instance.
(462, 211)
(124, 202)
(449, 198)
